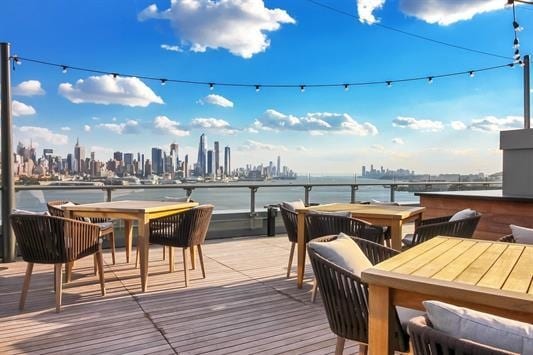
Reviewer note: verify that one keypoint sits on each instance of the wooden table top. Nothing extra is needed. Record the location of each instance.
(493, 270)
(370, 211)
(131, 206)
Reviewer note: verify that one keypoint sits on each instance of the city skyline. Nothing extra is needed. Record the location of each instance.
(430, 126)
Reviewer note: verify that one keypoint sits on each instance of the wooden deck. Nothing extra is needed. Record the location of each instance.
(244, 306)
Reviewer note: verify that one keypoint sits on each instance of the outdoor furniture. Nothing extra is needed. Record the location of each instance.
(55, 240)
(345, 296)
(184, 229)
(393, 216)
(105, 224)
(428, 341)
(431, 227)
(509, 238)
(322, 224)
(491, 277)
(290, 220)
(131, 210)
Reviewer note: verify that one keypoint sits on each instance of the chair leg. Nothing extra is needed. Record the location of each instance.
(25, 285)
(100, 260)
(112, 242)
(68, 271)
(164, 252)
(136, 257)
(290, 260)
(339, 348)
(363, 348)
(186, 267)
(193, 259)
(58, 284)
(171, 261)
(95, 265)
(313, 291)
(201, 257)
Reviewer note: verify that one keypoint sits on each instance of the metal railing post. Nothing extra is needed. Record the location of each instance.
(354, 188)
(308, 189)
(109, 193)
(253, 190)
(188, 191)
(392, 191)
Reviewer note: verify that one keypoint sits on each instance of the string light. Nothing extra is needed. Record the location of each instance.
(258, 87)
(64, 69)
(516, 43)
(517, 27)
(471, 73)
(430, 80)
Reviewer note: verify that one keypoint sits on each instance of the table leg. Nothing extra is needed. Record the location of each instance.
(143, 245)
(396, 234)
(128, 237)
(378, 323)
(193, 258)
(300, 268)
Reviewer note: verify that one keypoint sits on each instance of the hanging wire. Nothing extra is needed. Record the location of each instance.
(390, 28)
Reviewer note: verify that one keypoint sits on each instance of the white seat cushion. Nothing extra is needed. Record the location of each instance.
(483, 328)
(466, 213)
(105, 225)
(522, 234)
(38, 213)
(344, 252)
(294, 205)
(408, 239)
(406, 314)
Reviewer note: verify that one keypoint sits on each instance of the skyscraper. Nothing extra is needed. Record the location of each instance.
(157, 161)
(79, 158)
(217, 159)
(174, 156)
(209, 162)
(201, 161)
(118, 156)
(227, 161)
(278, 167)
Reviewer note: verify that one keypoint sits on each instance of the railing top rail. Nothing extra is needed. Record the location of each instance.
(248, 185)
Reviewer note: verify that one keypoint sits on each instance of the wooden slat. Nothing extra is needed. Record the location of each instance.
(445, 259)
(452, 270)
(500, 270)
(475, 271)
(523, 271)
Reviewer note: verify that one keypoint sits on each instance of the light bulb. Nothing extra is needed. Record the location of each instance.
(346, 87)
(516, 43)
(163, 81)
(302, 88)
(389, 84)
(64, 69)
(211, 86)
(257, 88)
(430, 80)
(471, 73)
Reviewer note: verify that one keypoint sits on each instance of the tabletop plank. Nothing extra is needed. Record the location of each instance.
(427, 257)
(445, 259)
(407, 255)
(500, 270)
(452, 270)
(131, 205)
(522, 272)
(475, 271)
(370, 211)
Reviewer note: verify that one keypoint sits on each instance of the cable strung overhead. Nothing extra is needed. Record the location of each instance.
(258, 86)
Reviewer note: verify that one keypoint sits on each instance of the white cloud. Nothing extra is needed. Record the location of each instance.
(94, 118)
(107, 90)
(86, 128)
(301, 148)
(458, 125)
(239, 26)
(171, 48)
(398, 141)
(448, 12)
(214, 124)
(418, 125)
(21, 109)
(255, 145)
(28, 88)
(495, 124)
(215, 99)
(317, 123)
(43, 134)
(366, 8)
(165, 125)
(128, 127)
(65, 129)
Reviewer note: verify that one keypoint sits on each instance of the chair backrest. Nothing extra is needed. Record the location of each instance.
(322, 224)
(182, 229)
(290, 220)
(53, 240)
(507, 239)
(463, 228)
(345, 299)
(427, 340)
(55, 209)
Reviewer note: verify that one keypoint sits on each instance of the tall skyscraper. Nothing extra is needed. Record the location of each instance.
(174, 156)
(186, 166)
(210, 162)
(278, 166)
(227, 161)
(157, 161)
(201, 161)
(79, 158)
(118, 156)
(143, 171)
(128, 158)
(217, 159)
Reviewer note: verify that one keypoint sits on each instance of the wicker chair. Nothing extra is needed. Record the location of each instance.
(429, 228)
(55, 240)
(183, 230)
(322, 224)
(427, 340)
(106, 226)
(290, 220)
(345, 296)
(509, 238)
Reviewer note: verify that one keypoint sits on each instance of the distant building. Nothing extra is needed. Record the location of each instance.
(118, 156)
(201, 161)
(210, 162)
(79, 158)
(217, 158)
(157, 162)
(227, 161)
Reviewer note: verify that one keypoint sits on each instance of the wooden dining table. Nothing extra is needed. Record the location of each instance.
(382, 215)
(492, 277)
(130, 211)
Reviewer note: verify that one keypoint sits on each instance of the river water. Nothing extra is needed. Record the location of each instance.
(226, 199)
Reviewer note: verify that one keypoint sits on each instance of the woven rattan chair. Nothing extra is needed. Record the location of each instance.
(184, 230)
(429, 228)
(290, 220)
(55, 240)
(106, 226)
(345, 297)
(507, 239)
(322, 224)
(428, 341)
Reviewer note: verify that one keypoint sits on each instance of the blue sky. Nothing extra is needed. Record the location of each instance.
(450, 125)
